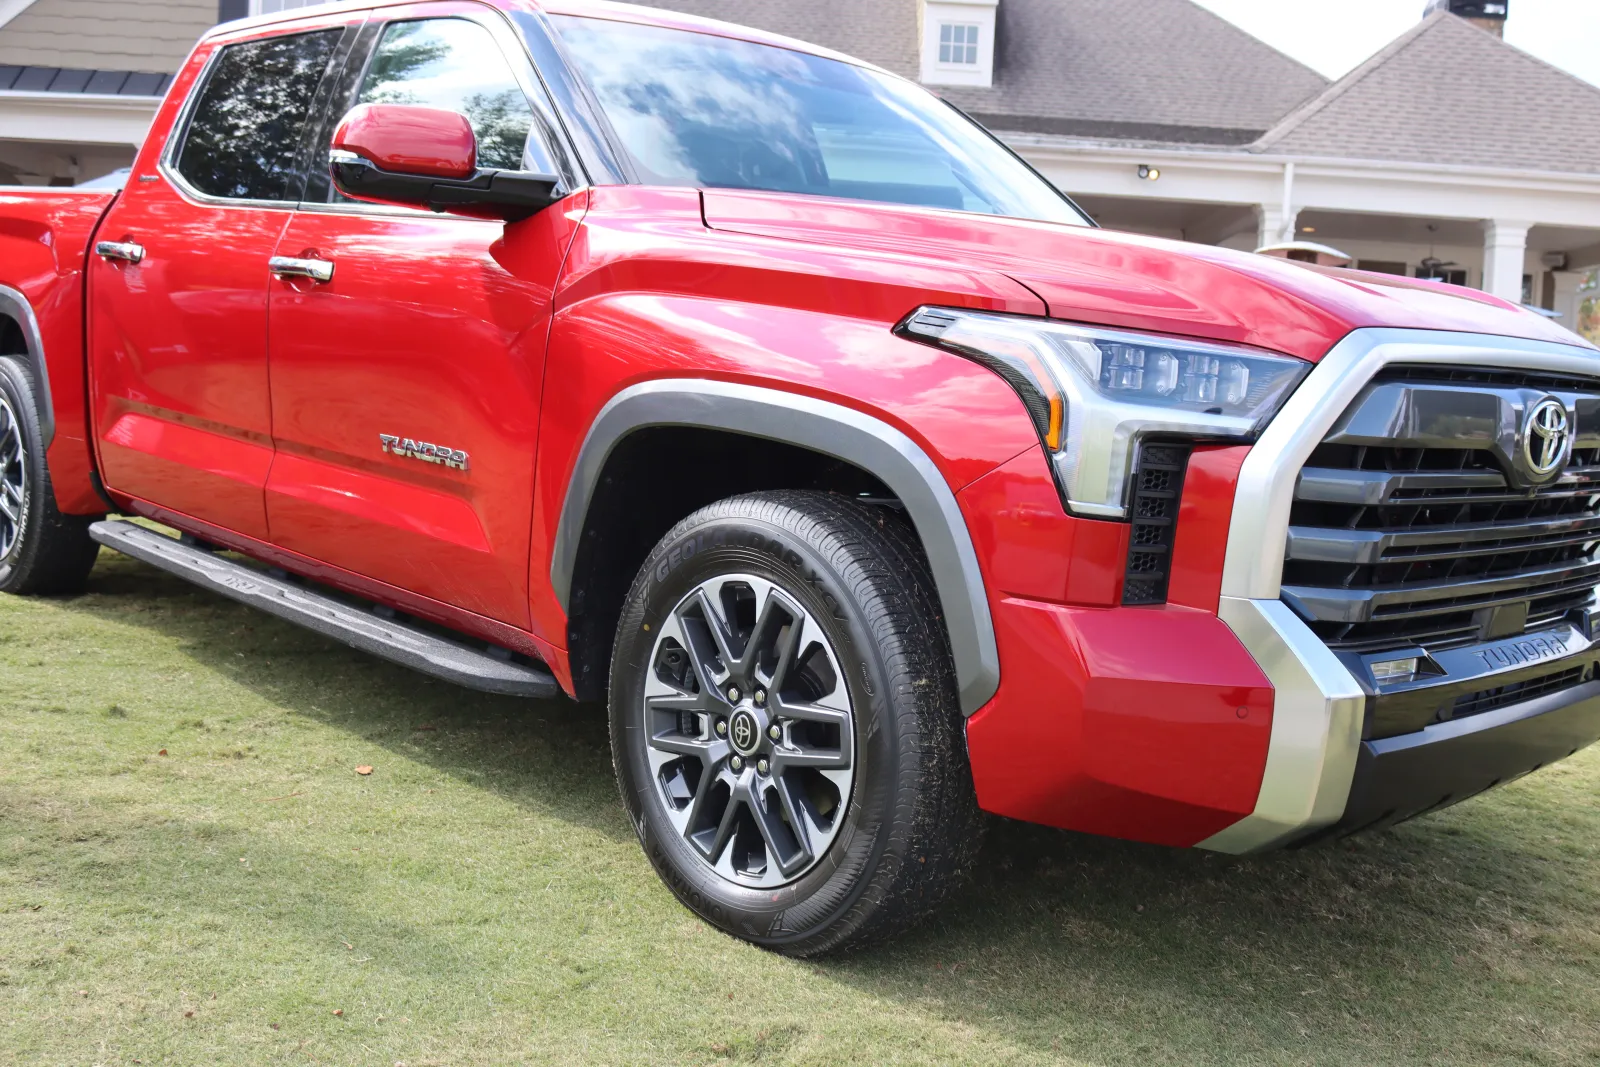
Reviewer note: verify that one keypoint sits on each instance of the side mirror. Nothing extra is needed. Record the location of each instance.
(428, 157)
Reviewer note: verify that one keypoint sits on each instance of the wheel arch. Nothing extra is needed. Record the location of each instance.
(19, 336)
(816, 427)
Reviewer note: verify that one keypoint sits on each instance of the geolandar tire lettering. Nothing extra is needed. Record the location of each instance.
(41, 550)
(785, 726)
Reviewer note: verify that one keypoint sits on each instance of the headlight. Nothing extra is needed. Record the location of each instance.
(1094, 393)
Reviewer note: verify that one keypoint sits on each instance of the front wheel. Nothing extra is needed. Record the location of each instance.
(784, 722)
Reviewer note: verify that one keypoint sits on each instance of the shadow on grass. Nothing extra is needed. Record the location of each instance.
(1442, 941)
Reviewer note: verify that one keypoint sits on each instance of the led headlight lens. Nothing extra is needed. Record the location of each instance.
(1093, 393)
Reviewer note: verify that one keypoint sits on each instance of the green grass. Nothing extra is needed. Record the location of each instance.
(479, 899)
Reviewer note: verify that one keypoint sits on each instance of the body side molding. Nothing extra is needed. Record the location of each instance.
(821, 426)
(15, 305)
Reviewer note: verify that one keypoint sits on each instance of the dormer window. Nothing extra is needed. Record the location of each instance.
(958, 42)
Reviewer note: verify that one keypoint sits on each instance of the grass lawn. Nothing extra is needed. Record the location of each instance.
(479, 899)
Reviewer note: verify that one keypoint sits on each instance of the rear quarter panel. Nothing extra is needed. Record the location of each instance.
(44, 244)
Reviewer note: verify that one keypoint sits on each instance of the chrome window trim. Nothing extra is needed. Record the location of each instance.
(167, 165)
(1318, 705)
(503, 33)
(528, 79)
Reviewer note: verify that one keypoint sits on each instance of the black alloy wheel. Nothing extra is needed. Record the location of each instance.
(784, 722)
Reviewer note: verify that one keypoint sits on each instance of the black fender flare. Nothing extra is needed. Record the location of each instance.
(827, 428)
(15, 306)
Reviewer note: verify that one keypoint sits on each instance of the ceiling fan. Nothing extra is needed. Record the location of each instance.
(1431, 263)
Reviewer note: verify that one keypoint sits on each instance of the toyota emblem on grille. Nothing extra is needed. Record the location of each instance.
(1546, 438)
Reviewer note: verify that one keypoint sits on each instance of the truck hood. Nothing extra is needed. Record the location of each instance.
(1136, 282)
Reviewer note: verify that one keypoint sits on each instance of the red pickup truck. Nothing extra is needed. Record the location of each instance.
(562, 346)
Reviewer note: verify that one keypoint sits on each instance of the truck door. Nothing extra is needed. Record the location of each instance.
(406, 386)
(177, 332)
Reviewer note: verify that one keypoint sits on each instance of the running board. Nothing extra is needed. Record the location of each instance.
(386, 637)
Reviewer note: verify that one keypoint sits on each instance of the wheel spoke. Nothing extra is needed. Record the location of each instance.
(795, 812)
(713, 843)
(783, 845)
(709, 752)
(706, 641)
(781, 623)
(12, 511)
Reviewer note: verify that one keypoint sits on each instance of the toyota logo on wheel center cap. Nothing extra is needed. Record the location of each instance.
(1546, 437)
(744, 732)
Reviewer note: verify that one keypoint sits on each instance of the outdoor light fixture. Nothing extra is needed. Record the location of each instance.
(1148, 173)
(1308, 229)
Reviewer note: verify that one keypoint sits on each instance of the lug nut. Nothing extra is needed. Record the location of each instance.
(737, 763)
(722, 727)
(762, 766)
(733, 694)
(775, 732)
(761, 696)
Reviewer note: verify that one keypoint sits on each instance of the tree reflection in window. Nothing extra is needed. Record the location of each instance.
(455, 65)
(244, 139)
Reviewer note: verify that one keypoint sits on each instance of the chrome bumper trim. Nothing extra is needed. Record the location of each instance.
(1318, 705)
(1317, 713)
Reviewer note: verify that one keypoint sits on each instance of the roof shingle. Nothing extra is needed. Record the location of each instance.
(1448, 92)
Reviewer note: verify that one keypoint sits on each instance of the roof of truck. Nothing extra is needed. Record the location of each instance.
(603, 9)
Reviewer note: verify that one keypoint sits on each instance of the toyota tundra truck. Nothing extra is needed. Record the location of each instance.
(549, 346)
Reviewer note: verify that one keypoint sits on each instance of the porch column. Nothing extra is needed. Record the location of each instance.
(1505, 247)
(1273, 226)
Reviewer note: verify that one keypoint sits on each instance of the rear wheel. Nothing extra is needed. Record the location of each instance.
(41, 550)
(784, 723)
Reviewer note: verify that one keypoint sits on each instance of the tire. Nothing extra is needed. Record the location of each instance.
(870, 755)
(41, 550)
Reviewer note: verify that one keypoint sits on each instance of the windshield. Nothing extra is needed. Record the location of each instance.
(695, 109)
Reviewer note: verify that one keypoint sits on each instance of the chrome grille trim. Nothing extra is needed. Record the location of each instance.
(1259, 532)
(1432, 598)
(1445, 518)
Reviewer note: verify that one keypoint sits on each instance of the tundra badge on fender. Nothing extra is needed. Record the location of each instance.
(453, 458)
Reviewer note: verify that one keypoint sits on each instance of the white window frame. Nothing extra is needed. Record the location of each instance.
(942, 17)
(954, 52)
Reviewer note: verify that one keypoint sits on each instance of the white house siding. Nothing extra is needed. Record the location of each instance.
(143, 35)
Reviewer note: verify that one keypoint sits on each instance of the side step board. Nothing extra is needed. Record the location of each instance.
(389, 638)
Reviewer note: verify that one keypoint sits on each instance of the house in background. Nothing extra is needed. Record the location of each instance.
(1449, 155)
(80, 79)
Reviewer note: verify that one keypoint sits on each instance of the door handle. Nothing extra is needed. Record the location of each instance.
(127, 251)
(318, 270)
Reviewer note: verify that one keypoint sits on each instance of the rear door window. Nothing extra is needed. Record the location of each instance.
(244, 138)
(455, 65)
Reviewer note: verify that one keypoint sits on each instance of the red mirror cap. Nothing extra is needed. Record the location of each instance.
(407, 139)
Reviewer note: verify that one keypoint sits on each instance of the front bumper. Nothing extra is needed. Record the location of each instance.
(1327, 775)
(1328, 770)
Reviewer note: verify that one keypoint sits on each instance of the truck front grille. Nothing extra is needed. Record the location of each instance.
(1408, 527)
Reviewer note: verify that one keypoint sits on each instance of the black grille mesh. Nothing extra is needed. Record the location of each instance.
(1516, 692)
(1158, 489)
